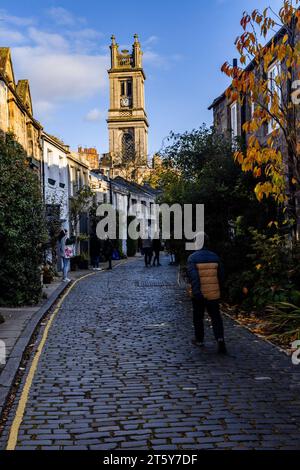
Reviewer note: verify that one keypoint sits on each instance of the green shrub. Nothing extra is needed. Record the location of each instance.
(270, 277)
(22, 227)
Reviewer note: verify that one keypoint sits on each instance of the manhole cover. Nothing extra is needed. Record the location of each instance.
(154, 284)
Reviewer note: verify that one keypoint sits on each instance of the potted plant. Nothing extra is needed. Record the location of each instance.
(48, 274)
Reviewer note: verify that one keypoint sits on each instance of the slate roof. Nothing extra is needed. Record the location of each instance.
(135, 187)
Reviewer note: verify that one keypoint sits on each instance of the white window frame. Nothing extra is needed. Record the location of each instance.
(50, 157)
(234, 119)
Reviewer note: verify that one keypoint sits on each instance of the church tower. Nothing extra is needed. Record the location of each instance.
(127, 119)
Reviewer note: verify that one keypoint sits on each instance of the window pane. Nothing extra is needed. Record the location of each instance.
(129, 88)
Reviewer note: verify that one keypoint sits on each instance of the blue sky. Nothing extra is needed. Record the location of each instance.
(62, 48)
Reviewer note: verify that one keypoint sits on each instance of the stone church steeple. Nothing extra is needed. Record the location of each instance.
(127, 119)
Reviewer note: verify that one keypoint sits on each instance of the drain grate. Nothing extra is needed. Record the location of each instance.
(154, 284)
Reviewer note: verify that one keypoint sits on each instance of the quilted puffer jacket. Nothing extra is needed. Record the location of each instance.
(206, 274)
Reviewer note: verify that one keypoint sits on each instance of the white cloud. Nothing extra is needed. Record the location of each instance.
(64, 17)
(155, 59)
(95, 115)
(44, 108)
(10, 37)
(56, 77)
(85, 40)
(152, 58)
(48, 40)
(150, 41)
(87, 33)
(15, 20)
(62, 64)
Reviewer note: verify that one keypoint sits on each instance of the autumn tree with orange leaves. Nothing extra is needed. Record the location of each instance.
(274, 159)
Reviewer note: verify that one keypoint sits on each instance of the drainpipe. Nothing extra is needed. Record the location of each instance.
(110, 191)
(43, 169)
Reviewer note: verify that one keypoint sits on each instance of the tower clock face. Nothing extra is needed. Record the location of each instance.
(125, 101)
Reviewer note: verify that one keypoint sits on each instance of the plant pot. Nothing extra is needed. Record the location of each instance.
(47, 278)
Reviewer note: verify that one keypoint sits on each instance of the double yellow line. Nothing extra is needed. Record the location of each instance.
(14, 430)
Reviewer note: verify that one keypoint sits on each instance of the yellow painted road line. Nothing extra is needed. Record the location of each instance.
(14, 430)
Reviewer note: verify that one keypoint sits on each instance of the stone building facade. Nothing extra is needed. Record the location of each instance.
(229, 117)
(16, 112)
(133, 200)
(91, 155)
(55, 177)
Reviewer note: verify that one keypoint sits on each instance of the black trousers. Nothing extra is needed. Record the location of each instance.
(148, 256)
(156, 257)
(213, 310)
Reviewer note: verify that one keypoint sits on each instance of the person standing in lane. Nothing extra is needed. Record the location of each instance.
(62, 239)
(156, 247)
(147, 249)
(206, 274)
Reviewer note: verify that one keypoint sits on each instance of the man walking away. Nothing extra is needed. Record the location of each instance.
(205, 273)
(156, 247)
(147, 249)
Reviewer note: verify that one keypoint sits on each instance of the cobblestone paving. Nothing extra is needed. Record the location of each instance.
(119, 372)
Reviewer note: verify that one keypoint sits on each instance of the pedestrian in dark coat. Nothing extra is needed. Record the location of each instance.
(95, 248)
(147, 249)
(156, 247)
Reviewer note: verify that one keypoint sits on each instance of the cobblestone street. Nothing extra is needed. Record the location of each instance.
(119, 371)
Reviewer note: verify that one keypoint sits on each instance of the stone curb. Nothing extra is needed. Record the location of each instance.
(8, 374)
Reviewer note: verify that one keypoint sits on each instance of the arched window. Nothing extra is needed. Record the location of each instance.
(127, 146)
